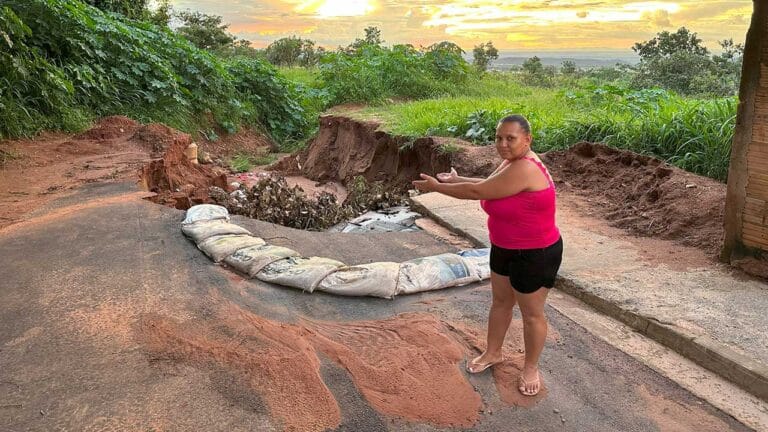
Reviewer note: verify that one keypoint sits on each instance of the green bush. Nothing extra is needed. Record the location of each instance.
(105, 64)
(372, 73)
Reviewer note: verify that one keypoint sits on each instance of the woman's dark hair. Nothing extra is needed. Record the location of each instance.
(517, 118)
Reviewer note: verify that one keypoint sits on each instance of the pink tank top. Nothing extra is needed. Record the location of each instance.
(525, 220)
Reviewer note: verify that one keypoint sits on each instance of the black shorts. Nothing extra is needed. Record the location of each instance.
(528, 269)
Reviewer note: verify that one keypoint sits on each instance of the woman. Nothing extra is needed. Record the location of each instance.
(519, 198)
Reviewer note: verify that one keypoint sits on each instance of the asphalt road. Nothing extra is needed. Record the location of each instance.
(111, 319)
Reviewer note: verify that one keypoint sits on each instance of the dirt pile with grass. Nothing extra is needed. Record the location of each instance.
(642, 194)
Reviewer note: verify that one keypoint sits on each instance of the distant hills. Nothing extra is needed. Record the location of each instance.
(584, 59)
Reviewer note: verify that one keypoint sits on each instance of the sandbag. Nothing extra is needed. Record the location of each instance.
(298, 272)
(202, 230)
(377, 279)
(480, 259)
(251, 260)
(205, 212)
(220, 247)
(435, 272)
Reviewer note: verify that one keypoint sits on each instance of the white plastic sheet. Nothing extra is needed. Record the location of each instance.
(377, 279)
(220, 247)
(298, 272)
(251, 260)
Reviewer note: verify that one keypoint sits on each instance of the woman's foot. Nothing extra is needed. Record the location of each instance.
(483, 362)
(530, 382)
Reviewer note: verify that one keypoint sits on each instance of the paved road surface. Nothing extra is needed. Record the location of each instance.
(111, 320)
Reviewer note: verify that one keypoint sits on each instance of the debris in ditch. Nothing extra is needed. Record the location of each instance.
(272, 200)
(398, 218)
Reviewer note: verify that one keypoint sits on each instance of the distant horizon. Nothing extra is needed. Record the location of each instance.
(529, 26)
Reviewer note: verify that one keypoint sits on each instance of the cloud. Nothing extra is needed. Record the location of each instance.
(659, 18)
(512, 24)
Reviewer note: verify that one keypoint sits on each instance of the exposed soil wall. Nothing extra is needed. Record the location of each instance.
(345, 148)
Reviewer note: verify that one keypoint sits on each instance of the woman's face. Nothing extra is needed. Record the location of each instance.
(512, 141)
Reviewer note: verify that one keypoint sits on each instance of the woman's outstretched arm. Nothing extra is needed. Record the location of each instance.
(511, 180)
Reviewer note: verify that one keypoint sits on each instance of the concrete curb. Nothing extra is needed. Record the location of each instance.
(750, 375)
(737, 368)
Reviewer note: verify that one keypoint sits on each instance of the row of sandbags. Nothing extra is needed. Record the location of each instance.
(209, 227)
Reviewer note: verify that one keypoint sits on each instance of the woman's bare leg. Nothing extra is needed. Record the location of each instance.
(499, 318)
(535, 334)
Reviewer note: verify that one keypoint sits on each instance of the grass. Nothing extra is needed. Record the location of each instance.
(244, 162)
(300, 75)
(693, 134)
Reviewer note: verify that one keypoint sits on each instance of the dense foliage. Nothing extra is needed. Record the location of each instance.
(367, 71)
(293, 51)
(67, 61)
(678, 61)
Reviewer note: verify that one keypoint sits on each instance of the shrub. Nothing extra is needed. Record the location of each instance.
(78, 59)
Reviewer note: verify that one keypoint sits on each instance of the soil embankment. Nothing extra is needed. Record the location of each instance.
(642, 194)
(345, 148)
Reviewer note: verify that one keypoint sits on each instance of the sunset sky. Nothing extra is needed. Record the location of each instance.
(524, 25)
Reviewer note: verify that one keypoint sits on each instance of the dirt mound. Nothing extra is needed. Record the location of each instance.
(177, 181)
(109, 128)
(156, 137)
(245, 140)
(643, 194)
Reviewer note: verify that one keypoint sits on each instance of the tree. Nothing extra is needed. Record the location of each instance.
(372, 38)
(483, 54)
(293, 51)
(536, 74)
(667, 44)
(677, 61)
(568, 67)
(162, 13)
(205, 31)
(446, 59)
(135, 9)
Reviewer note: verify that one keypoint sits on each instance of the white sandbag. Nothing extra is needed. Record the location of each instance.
(298, 272)
(220, 247)
(435, 272)
(377, 279)
(205, 212)
(251, 260)
(480, 259)
(202, 230)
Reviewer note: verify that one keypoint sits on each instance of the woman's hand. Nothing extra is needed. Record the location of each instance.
(426, 184)
(449, 177)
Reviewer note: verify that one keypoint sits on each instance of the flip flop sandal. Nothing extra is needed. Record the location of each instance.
(480, 367)
(524, 384)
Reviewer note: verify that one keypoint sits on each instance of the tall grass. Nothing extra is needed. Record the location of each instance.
(692, 134)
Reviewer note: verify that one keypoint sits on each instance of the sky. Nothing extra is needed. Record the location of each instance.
(513, 25)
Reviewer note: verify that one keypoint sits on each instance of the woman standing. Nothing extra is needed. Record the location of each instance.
(519, 198)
